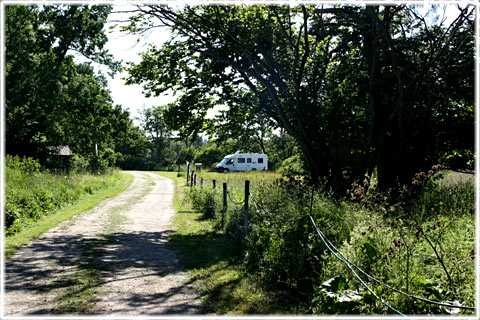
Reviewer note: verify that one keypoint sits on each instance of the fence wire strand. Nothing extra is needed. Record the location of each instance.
(233, 202)
(338, 254)
(347, 262)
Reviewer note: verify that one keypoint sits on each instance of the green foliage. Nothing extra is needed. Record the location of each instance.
(283, 246)
(424, 246)
(209, 156)
(204, 200)
(280, 147)
(31, 194)
(26, 165)
(459, 159)
(355, 91)
(293, 167)
(50, 99)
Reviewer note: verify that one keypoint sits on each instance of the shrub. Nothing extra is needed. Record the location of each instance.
(283, 245)
(410, 246)
(26, 165)
(31, 194)
(204, 200)
(406, 242)
(293, 166)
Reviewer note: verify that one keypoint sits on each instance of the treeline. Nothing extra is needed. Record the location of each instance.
(351, 95)
(377, 90)
(52, 101)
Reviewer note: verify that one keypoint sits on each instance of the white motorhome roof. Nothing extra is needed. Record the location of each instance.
(244, 154)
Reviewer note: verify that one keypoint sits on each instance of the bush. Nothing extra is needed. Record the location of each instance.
(204, 200)
(26, 165)
(208, 156)
(293, 166)
(31, 194)
(282, 243)
(407, 244)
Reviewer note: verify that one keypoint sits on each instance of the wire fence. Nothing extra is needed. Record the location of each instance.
(243, 205)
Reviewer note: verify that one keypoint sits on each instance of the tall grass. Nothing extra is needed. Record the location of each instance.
(424, 245)
(32, 194)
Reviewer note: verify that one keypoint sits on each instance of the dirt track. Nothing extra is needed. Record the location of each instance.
(121, 246)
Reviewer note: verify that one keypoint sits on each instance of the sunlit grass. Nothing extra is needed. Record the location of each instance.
(214, 259)
(444, 212)
(120, 182)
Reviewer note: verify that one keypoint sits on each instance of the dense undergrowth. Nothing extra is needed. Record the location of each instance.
(420, 241)
(32, 193)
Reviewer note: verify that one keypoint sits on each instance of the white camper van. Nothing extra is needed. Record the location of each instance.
(243, 162)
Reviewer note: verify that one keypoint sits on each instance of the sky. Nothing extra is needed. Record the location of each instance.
(125, 47)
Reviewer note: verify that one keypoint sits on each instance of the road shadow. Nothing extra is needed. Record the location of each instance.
(47, 265)
(206, 249)
(221, 256)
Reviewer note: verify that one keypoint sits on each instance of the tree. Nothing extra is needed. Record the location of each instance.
(50, 100)
(280, 147)
(347, 82)
(408, 74)
(249, 133)
(209, 155)
(153, 124)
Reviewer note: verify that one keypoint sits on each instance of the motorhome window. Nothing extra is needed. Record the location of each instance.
(241, 160)
(249, 160)
(260, 160)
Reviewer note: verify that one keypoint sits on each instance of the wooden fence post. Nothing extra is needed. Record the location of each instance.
(245, 219)
(191, 179)
(224, 202)
(188, 171)
(214, 184)
(201, 182)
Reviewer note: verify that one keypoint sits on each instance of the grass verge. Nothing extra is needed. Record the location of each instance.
(215, 262)
(424, 244)
(84, 203)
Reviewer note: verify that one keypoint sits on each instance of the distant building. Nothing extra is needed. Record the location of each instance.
(59, 158)
(60, 151)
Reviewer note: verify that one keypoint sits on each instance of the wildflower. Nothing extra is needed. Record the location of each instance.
(366, 183)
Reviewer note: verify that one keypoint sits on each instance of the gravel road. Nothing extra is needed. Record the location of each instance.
(112, 260)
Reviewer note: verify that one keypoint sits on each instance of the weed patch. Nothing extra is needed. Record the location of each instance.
(32, 194)
(423, 246)
(28, 228)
